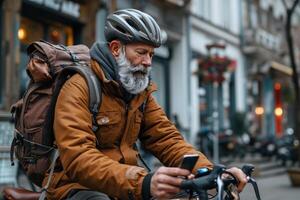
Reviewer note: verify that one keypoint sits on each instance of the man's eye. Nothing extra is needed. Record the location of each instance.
(140, 52)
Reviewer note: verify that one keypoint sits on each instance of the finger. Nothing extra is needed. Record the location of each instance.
(242, 184)
(164, 191)
(240, 176)
(167, 188)
(170, 180)
(173, 171)
(191, 176)
(164, 195)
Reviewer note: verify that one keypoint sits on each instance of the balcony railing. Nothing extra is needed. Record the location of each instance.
(263, 38)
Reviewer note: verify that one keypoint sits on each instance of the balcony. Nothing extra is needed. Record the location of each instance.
(255, 38)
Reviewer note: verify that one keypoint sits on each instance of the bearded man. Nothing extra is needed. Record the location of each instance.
(104, 164)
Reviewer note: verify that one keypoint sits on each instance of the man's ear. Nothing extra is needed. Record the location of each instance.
(115, 47)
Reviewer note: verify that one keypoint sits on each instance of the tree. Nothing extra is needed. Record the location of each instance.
(289, 38)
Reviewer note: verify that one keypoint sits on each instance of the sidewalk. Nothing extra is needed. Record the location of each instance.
(264, 167)
(271, 177)
(272, 188)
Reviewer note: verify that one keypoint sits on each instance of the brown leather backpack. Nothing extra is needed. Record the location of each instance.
(49, 67)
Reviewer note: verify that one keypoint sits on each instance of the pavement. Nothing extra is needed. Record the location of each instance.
(271, 177)
(277, 187)
(264, 167)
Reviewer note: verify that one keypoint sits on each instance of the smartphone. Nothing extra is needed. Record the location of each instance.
(188, 161)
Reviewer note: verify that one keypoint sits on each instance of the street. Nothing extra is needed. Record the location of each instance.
(272, 188)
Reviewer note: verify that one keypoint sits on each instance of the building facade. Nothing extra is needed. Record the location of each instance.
(269, 84)
(215, 34)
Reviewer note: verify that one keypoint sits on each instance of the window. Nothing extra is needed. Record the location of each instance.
(158, 76)
(30, 31)
(56, 33)
(205, 9)
(60, 34)
(253, 16)
(225, 10)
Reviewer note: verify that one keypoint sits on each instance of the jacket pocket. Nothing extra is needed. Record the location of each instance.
(109, 128)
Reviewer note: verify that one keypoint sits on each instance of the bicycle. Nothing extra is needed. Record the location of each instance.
(196, 188)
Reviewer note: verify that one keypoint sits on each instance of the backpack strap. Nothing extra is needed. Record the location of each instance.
(95, 97)
(54, 156)
(95, 93)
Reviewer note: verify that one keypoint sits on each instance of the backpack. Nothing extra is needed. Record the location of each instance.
(49, 67)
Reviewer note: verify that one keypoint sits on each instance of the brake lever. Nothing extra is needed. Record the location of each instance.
(255, 187)
(248, 169)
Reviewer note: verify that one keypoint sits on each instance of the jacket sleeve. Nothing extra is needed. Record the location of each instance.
(161, 137)
(82, 161)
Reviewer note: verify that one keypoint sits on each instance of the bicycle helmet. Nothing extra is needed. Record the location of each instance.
(131, 25)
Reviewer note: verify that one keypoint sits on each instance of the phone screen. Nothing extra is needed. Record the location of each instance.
(189, 161)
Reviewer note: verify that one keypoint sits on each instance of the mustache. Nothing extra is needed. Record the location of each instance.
(140, 68)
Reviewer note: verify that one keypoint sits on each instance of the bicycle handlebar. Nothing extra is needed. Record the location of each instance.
(214, 180)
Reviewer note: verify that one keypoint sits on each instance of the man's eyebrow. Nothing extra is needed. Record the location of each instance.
(143, 49)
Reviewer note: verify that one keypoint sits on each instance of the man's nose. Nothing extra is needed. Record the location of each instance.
(147, 61)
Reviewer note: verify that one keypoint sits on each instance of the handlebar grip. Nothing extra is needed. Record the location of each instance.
(248, 169)
(205, 182)
(186, 184)
(199, 184)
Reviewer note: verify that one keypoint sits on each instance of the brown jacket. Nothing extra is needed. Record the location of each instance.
(106, 161)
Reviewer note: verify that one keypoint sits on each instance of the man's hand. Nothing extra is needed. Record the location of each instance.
(166, 181)
(240, 176)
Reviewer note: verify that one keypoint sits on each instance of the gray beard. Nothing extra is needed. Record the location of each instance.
(134, 79)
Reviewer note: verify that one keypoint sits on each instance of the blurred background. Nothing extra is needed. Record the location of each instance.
(227, 74)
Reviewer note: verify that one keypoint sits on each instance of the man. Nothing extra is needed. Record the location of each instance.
(104, 164)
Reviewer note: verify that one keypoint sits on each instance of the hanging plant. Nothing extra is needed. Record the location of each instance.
(212, 68)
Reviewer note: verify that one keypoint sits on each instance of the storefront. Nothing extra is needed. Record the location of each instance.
(273, 99)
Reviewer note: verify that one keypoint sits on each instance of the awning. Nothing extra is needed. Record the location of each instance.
(286, 70)
(282, 68)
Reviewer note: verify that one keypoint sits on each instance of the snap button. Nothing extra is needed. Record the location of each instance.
(103, 120)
